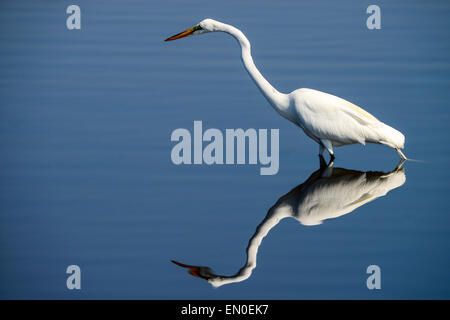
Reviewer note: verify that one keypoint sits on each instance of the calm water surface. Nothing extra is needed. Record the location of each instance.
(87, 179)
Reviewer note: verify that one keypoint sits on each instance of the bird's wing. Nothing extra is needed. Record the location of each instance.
(333, 118)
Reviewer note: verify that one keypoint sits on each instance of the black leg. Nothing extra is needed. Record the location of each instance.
(323, 164)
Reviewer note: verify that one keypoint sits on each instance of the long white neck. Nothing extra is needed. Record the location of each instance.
(279, 101)
(273, 217)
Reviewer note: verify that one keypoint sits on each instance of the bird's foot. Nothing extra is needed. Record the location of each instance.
(399, 165)
(326, 170)
(332, 157)
(400, 153)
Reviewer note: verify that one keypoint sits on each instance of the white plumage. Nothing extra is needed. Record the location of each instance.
(329, 120)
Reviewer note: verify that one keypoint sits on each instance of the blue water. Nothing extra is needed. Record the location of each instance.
(86, 176)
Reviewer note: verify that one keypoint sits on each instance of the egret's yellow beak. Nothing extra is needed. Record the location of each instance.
(185, 33)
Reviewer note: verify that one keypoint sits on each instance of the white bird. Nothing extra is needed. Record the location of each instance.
(327, 119)
(328, 193)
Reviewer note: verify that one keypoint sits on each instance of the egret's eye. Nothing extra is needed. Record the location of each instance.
(197, 27)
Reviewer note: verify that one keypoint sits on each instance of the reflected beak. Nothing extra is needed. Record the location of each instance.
(193, 270)
(185, 33)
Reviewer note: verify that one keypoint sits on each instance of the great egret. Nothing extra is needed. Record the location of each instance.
(327, 194)
(329, 120)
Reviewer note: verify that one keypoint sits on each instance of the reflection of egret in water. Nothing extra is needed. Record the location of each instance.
(327, 193)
